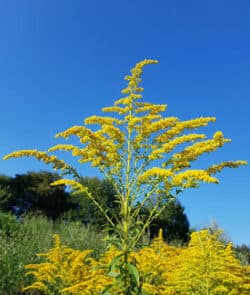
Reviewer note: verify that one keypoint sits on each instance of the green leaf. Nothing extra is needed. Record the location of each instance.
(113, 274)
(106, 290)
(99, 267)
(134, 273)
(144, 292)
(115, 261)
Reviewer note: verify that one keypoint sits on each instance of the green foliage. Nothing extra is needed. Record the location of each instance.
(20, 241)
(172, 220)
(174, 223)
(20, 248)
(4, 190)
(8, 224)
(243, 253)
(78, 236)
(31, 192)
(85, 210)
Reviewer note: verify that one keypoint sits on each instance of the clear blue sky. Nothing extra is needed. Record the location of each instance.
(61, 61)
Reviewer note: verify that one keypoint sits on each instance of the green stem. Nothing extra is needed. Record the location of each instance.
(153, 214)
(126, 211)
(99, 207)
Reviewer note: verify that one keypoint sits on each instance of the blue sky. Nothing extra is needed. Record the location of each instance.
(61, 61)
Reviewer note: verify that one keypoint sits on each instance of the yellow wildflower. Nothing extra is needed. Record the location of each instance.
(231, 164)
(153, 109)
(169, 146)
(41, 156)
(191, 153)
(114, 133)
(181, 126)
(182, 178)
(75, 185)
(75, 130)
(101, 120)
(155, 172)
(116, 109)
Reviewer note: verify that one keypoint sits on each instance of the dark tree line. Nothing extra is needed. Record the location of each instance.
(32, 193)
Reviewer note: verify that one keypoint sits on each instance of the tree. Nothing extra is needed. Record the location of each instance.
(243, 253)
(135, 151)
(84, 209)
(174, 223)
(32, 192)
(4, 191)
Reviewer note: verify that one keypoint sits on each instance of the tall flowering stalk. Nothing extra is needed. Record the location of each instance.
(135, 151)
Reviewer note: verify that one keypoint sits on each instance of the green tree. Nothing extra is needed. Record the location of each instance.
(243, 253)
(5, 194)
(173, 222)
(32, 192)
(85, 210)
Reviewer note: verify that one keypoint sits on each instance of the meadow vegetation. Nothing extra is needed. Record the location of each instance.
(21, 240)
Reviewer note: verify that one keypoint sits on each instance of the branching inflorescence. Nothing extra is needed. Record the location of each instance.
(135, 150)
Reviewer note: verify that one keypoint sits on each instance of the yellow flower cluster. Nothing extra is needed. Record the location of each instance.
(182, 125)
(114, 133)
(170, 145)
(135, 77)
(75, 130)
(101, 146)
(101, 120)
(192, 152)
(67, 271)
(128, 100)
(132, 91)
(140, 123)
(155, 172)
(76, 152)
(189, 178)
(123, 149)
(205, 266)
(76, 186)
(148, 127)
(153, 109)
(116, 109)
(41, 156)
(217, 168)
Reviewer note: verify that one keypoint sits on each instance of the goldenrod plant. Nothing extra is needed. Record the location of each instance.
(206, 267)
(66, 271)
(134, 149)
